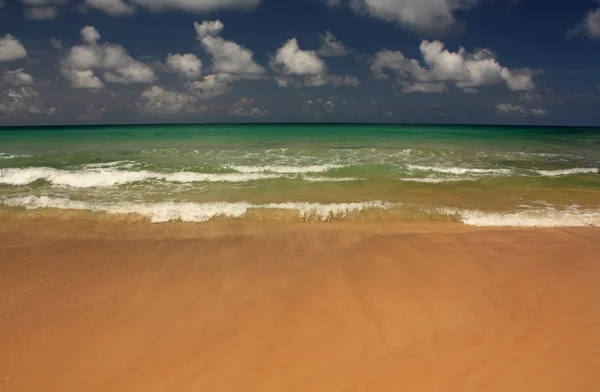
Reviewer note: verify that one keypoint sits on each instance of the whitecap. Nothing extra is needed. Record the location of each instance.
(196, 212)
(459, 170)
(567, 172)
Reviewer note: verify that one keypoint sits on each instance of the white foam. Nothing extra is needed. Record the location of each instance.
(11, 156)
(157, 212)
(279, 169)
(111, 177)
(546, 217)
(432, 180)
(196, 212)
(325, 212)
(106, 165)
(567, 172)
(459, 170)
(331, 179)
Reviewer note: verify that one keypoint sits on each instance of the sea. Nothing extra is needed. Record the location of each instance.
(471, 175)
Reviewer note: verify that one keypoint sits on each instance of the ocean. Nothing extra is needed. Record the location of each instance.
(474, 175)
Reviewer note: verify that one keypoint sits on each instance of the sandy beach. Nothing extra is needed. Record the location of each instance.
(91, 305)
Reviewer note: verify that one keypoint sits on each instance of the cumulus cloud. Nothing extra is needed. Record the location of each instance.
(212, 86)
(243, 107)
(11, 49)
(17, 77)
(291, 60)
(590, 25)
(89, 34)
(467, 71)
(512, 109)
(228, 57)
(111, 60)
(229, 61)
(186, 65)
(157, 100)
(111, 7)
(23, 100)
(423, 16)
(297, 67)
(331, 46)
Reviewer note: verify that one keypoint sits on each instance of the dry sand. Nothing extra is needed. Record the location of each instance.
(100, 306)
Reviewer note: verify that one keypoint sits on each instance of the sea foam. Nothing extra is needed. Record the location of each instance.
(108, 177)
(459, 170)
(197, 212)
(568, 172)
(11, 156)
(547, 217)
(285, 169)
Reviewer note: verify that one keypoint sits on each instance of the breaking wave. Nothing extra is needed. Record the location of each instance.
(197, 212)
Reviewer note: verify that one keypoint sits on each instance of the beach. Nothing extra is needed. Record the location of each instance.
(104, 305)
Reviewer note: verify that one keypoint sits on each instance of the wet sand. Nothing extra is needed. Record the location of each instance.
(127, 306)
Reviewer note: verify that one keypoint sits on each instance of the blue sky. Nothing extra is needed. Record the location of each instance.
(424, 61)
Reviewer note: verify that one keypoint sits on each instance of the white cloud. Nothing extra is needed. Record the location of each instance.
(186, 65)
(291, 60)
(419, 87)
(116, 65)
(243, 107)
(512, 109)
(157, 100)
(41, 13)
(229, 61)
(466, 71)
(198, 6)
(111, 7)
(297, 67)
(212, 86)
(425, 16)
(331, 46)
(82, 79)
(590, 25)
(89, 34)
(17, 77)
(227, 56)
(11, 49)
(23, 100)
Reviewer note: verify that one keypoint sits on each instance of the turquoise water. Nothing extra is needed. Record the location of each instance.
(473, 174)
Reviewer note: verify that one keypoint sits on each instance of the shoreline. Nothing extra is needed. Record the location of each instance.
(99, 305)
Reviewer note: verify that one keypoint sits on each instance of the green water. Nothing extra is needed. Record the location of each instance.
(475, 174)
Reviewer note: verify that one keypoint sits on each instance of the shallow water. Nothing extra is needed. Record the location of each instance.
(515, 176)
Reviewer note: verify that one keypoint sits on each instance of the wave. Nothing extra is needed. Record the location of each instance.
(433, 180)
(459, 170)
(567, 172)
(197, 212)
(284, 169)
(547, 217)
(11, 156)
(331, 179)
(111, 177)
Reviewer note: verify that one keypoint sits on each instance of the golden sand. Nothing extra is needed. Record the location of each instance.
(99, 306)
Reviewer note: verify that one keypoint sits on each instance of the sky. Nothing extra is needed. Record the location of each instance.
(529, 62)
